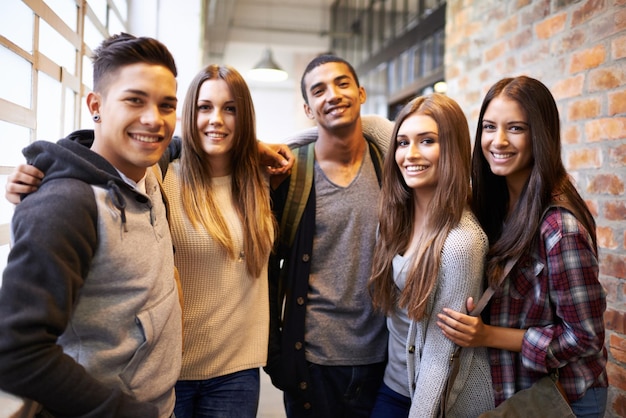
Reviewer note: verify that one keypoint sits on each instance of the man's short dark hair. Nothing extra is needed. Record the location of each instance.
(124, 49)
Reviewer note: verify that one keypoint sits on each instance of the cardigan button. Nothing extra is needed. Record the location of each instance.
(298, 345)
(306, 258)
(303, 385)
(307, 405)
(411, 349)
(300, 300)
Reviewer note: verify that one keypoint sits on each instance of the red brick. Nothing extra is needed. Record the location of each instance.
(606, 184)
(618, 48)
(570, 41)
(617, 102)
(569, 87)
(587, 11)
(603, 129)
(570, 135)
(614, 320)
(551, 26)
(615, 266)
(606, 239)
(617, 345)
(615, 210)
(583, 158)
(617, 156)
(521, 40)
(602, 79)
(587, 59)
(508, 26)
(617, 375)
(495, 51)
(584, 109)
(617, 408)
(538, 10)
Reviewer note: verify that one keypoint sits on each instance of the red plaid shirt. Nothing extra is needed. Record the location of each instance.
(555, 295)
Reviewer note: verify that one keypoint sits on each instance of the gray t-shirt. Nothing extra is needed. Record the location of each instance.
(342, 327)
(398, 326)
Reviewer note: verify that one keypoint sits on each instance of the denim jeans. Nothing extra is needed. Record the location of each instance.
(592, 405)
(234, 395)
(390, 404)
(338, 392)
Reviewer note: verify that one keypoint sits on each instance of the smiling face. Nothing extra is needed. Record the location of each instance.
(417, 153)
(506, 141)
(216, 123)
(333, 95)
(137, 117)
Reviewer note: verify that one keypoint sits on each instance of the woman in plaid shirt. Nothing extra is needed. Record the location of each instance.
(548, 312)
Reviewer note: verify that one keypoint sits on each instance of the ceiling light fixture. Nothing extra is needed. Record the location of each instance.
(267, 70)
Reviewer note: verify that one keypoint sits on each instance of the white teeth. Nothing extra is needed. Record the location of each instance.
(337, 110)
(416, 168)
(146, 138)
(502, 155)
(215, 135)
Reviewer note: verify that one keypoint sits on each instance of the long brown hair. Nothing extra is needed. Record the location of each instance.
(249, 188)
(397, 209)
(548, 177)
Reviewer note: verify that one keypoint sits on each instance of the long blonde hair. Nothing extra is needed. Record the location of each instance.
(249, 189)
(397, 209)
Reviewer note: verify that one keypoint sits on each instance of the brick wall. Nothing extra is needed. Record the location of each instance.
(578, 49)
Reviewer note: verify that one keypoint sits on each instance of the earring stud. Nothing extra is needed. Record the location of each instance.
(96, 117)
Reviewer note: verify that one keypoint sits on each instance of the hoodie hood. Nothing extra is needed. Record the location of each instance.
(71, 158)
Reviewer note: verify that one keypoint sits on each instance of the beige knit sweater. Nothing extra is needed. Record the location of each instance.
(226, 312)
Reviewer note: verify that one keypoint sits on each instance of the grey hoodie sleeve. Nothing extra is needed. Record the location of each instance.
(54, 232)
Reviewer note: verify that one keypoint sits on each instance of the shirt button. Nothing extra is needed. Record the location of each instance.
(307, 405)
(411, 349)
(306, 258)
(300, 301)
(497, 388)
(298, 345)
(303, 385)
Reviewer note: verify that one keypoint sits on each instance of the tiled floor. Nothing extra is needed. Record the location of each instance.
(271, 402)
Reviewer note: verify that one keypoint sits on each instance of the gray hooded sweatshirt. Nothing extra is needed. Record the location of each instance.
(90, 317)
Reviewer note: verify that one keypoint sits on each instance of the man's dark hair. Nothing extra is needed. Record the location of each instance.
(321, 60)
(125, 49)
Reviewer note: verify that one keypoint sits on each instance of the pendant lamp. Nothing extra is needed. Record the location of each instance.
(267, 70)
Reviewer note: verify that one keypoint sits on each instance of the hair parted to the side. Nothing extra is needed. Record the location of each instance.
(124, 49)
(321, 60)
(249, 188)
(396, 208)
(548, 177)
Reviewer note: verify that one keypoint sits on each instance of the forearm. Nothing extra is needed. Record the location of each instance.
(509, 339)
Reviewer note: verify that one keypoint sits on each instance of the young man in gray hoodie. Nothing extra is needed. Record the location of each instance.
(91, 319)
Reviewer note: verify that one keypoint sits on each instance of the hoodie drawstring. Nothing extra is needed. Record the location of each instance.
(115, 194)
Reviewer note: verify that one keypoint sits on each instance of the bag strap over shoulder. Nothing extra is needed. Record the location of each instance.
(299, 189)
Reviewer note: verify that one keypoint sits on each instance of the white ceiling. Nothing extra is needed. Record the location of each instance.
(237, 31)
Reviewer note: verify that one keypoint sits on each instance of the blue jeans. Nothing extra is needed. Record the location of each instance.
(390, 404)
(592, 404)
(338, 392)
(234, 395)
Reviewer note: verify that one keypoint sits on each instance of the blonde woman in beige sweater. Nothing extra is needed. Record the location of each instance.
(223, 231)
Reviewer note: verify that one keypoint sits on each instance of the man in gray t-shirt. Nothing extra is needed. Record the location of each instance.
(327, 344)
